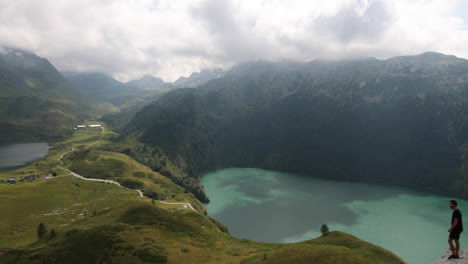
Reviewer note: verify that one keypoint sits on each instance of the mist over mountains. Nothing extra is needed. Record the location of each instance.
(39, 102)
(400, 121)
(135, 92)
(224, 131)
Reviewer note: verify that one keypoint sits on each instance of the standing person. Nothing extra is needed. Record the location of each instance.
(455, 230)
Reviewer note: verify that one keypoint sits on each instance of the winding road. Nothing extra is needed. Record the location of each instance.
(78, 176)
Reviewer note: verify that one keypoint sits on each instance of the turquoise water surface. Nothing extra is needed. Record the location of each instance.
(273, 206)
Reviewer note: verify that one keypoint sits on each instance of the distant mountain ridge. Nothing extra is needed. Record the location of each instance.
(25, 74)
(399, 121)
(136, 92)
(198, 78)
(36, 101)
(148, 82)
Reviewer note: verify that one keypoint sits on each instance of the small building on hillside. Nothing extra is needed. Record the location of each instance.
(28, 178)
(94, 126)
(80, 127)
(184, 207)
(12, 180)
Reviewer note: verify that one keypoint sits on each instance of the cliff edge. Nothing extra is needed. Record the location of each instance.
(444, 260)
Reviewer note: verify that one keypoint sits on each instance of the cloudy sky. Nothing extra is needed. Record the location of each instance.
(170, 38)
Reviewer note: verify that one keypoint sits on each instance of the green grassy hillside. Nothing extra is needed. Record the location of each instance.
(336, 247)
(37, 103)
(29, 119)
(130, 229)
(102, 223)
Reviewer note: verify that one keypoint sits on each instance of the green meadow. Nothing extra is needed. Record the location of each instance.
(96, 222)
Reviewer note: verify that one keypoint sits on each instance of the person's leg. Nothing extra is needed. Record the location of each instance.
(452, 247)
(457, 247)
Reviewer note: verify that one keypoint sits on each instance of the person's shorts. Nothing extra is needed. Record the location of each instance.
(455, 236)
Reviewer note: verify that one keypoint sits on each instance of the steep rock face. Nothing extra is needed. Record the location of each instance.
(444, 259)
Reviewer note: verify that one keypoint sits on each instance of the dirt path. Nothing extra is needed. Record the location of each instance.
(76, 175)
(188, 204)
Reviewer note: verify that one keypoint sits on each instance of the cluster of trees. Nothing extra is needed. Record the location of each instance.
(42, 232)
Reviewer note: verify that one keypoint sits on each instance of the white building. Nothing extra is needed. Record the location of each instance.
(94, 126)
(80, 126)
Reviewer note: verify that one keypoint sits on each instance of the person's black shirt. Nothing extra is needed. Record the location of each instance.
(459, 227)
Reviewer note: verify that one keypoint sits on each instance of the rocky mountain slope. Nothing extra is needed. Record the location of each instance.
(399, 121)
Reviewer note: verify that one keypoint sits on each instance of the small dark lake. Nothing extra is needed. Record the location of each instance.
(17, 155)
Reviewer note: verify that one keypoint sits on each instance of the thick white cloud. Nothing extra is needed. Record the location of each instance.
(169, 38)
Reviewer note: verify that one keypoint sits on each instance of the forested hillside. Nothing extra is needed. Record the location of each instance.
(401, 121)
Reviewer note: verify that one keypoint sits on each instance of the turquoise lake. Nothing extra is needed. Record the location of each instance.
(272, 206)
(17, 155)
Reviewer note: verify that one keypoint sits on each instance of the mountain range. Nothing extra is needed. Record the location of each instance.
(37, 102)
(136, 92)
(400, 121)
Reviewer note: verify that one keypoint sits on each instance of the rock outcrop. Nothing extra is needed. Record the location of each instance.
(444, 260)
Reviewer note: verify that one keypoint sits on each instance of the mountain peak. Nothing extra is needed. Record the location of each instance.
(428, 57)
(148, 82)
(198, 78)
(426, 62)
(25, 59)
(436, 56)
(149, 77)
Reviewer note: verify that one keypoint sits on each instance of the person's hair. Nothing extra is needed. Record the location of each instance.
(454, 202)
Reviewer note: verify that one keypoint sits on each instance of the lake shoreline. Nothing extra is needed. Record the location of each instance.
(278, 207)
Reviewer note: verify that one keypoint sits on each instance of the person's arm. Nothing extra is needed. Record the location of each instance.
(455, 223)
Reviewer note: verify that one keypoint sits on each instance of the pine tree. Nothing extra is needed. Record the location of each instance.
(41, 231)
(52, 233)
(324, 230)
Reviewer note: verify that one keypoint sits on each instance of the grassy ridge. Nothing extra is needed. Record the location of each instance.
(336, 247)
